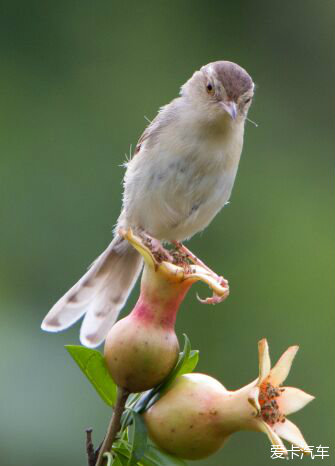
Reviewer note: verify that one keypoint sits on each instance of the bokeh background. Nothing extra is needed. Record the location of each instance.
(76, 79)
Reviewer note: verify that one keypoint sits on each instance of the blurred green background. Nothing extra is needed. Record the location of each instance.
(76, 79)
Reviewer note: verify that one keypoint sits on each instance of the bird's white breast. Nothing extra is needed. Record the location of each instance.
(175, 187)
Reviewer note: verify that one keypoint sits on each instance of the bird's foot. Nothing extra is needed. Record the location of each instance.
(159, 252)
(195, 260)
(179, 264)
(184, 251)
(215, 299)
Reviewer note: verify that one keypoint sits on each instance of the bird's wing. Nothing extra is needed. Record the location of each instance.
(149, 132)
(161, 120)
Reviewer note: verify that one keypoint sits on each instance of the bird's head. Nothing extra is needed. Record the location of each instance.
(221, 88)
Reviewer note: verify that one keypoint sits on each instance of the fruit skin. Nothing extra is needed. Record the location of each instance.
(187, 421)
(140, 356)
(142, 349)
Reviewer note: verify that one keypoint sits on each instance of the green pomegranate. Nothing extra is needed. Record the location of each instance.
(197, 414)
(186, 421)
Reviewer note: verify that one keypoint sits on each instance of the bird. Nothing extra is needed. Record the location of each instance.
(180, 176)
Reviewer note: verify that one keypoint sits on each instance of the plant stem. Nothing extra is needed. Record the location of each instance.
(114, 425)
(90, 448)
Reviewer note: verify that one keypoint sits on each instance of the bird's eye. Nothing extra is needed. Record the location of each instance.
(247, 100)
(210, 88)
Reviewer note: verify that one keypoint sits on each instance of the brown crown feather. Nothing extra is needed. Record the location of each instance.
(234, 78)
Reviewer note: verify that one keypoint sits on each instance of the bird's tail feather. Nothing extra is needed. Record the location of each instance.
(100, 294)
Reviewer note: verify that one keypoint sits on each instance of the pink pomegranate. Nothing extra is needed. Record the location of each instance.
(142, 348)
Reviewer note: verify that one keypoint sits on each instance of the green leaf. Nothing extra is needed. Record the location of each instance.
(153, 456)
(93, 365)
(190, 363)
(187, 361)
(139, 439)
(132, 398)
(181, 361)
(119, 460)
(123, 452)
(156, 457)
(145, 399)
(109, 458)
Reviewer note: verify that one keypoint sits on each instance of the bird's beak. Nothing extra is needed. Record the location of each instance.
(230, 108)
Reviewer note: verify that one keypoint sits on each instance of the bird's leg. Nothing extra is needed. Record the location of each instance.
(192, 257)
(195, 260)
(156, 247)
(158, 250)
(194, 269)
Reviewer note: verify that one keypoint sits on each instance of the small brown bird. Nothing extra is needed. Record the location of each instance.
(180, 177)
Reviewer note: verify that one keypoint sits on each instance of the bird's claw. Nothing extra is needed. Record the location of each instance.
(215, 299)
